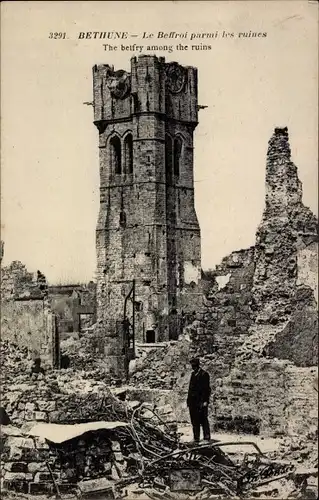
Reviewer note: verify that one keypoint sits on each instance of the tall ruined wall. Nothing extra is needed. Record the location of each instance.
(286, 230)
(286, 259)
(258, 335)
(272, 376)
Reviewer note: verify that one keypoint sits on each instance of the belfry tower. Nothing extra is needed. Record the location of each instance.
(147, 229)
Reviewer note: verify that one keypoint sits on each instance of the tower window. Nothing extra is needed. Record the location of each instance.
(122, 218)
(128, 152)
(177, 156)
(168, 158)
(116, 160)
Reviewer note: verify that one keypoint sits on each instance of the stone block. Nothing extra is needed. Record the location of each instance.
(41, 443)
(19, 486)
(41, 416)
(33, 455)
(34, 467)
(16, 467)
(41, 488)
(54, 416)
(115, 473)
(107, 467)
(15, 441)
(18, 476)
(47, 405)
(168, 417)
(29, 415)
(116, 446)
(43, 477)
(118, 456)
(30, 407)
(148, 414)
(14, 453)
(68, 488)
(163, 410)
(95, 486)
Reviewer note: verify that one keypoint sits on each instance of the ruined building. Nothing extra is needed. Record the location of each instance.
(147, 229)
(258, 332)
(40, 317)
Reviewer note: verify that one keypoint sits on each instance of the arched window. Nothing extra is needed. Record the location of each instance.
(178, 145)
(116, 160)
(168, 158)
(128, 153)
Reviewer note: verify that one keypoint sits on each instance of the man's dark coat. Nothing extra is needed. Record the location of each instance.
(199, 389)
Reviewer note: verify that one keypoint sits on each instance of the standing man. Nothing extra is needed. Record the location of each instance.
(198, 399)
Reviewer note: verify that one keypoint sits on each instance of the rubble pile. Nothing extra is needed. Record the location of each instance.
(37, 466)
(31, 464)
(134, 453)
(82, 352)
(300, 450)
(143, 453)
(57, 396)
(14, 361)
(161, 371)
(54, 398)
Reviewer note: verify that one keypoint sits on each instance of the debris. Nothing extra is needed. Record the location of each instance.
(96, 488)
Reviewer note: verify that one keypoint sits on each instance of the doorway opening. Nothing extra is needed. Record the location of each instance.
(150, 337)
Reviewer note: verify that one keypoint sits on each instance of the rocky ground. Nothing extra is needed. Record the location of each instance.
(62, 390)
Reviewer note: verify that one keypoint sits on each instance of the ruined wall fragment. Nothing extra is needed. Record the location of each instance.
(258, 333)
(286, 264)
(26, 316)
(285, 329)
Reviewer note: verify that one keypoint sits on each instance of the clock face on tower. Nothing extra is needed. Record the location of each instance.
(175, 77)
(119, 84)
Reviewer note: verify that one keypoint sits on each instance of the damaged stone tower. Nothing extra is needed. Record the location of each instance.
(147, 228)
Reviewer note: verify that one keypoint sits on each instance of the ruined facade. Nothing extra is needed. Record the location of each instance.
(257, 334)
(26, 316)
(147, 228)
(39, 317)
(74, 307)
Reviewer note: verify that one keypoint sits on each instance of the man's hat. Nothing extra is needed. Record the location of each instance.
(194, 361)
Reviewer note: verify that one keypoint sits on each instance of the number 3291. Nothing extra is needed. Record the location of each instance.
(57, 36)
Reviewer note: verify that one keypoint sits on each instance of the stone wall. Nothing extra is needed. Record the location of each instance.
(74, 306)
(26, 316)
(58, 396)
(28, 323)
(16, 282)
(256, 396)
(87, 457)
(268, 397)
(298, 340)
(257, 335)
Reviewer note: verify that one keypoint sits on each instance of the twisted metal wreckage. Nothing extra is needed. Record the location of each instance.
(159, 466)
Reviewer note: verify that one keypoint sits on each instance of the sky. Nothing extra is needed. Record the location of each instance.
(49, 145)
